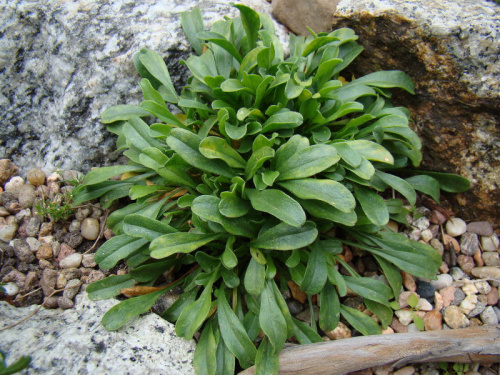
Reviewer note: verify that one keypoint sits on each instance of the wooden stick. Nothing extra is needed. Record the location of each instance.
(477, 344)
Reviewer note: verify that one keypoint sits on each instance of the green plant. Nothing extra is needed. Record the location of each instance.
(272, 166)
(19, 365)
(56, 209)
(456, 368)
(413, 308)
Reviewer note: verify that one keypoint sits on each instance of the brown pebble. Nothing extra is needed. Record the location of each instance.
(340, 332)
(46, 229)
(50, 303)
(48, 281)
(433, 321)
(448, 295)
(438, 301)
(437, 218)
(409, 281)
(478, 257)
(444, 268)
(31, 281)
(397, 326)
(108, 233)
(44, 251)
(298, 294)
(65, 251)
(95, 275)
(36, 177)
(482, 228)
(65, 303)
(466, 263)
(451, 243)
(492, 297)
(475, 322)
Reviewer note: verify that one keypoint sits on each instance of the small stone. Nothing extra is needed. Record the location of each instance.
(46, 229)
(482, 286)
(95, 275)
(455, 318)
(436, 244)
(444, 268)
(67, 274)
(489, 243)
(54, 177)
(469, 244)
(340, 332)
(403, 299)
(96, 212)
(45, 251)
(437, 218)
(7, 170)
(27, 195)
(435, 230)
(72, 288)
(33, 226)
(478, 309)
(413, 233)
(483, 228)
(71, 261)
(456, 227)
(425, 289)
(297, 293)
(392, 225)
(90, 228)
(7, 232)
(10, 288)
(421, 223)
(73, 239)
(305, 315)
(65, 303)
(4, 212)
(65, 251)
(407, 370)
(75, 226)
(409, 282)
(33, 243)
(456, 273)
(442, 281)
(433, 321)
(424, 305)
(459, 297)
(88, 260)
(478, 258)
(469, 289)
(492, 297)
(14, 185)
(486, 272)
(405, 317)
(466, 263)
(82, 213)
(468, 303)
(48, 281)
(108, 233)
(46, 239)
(56, 248)
(36, 177)
(31, 281)
(387, 331)
(451, 243)
(491, 259)
(438, 302)
(397, 326)
(497, 312)
(23, 251)
(50, 303)
(295, 307)
(488, 316)
(426, 235)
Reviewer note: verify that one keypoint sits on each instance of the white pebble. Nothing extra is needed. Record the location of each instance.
(442, 281)
(469, 289)
(482, 286)
(90, 228)
(33, 243)
(424, 305)
(7, 232)
(71, 261)
(14, 184)
(468, 304)
(456, 227)
(426, 235)
(412, 328)
(488, 316)
(405, 317)
(490, 243)
(10, 289)
(421, 223)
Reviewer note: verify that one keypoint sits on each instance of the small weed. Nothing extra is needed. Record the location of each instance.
(21, 364)
(56, 209)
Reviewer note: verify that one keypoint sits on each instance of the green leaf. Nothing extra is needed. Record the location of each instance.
(161, 112)
(266, 361)
(286, 237)
(228, 258)
(126, 310)
(122, 113)
(232, 206)
(372, 204)
(116, 249)
(105, 173)
(449, 182)
(257, 160)
(425, 184)
(271, 320)
(305, 334)
(251, 23)
(278, 204)
(328, 191)
(372, 289)
(337, 279)
(392, 275)
(180, 242)
(413, 300)
(192, 24)
(144, 227)
(221, 41)
(225, 359)
(325, 211)
(307, 162)
(361, 322)
(284, 309)
(22, 363)
(187, 146)
(388, 79)
(155, 65)
(351, 156)
(234, 334)
(372, 151)
(329, 312)
(195, 313)
(204, 361)
(255, 277)
(316, 272)
(383, 312)
(282, 120)
(399, 185)
(218, 148)
(109, 287)
(317, 43)
(174, 311)
(139, 191)
(151, 271)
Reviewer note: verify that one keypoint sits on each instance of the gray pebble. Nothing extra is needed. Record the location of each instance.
(456, 273)
(33, 243)
(489, 317)
(491, 259)
(51, 303)
(486, 272)
(74, 226)
(483, 228)
(442, 281)
(10, 288)
(421, 223)
(72, 288)
(478, 309)
(7, 232)
(73, 239)
(23, 251)
(65, 303)
(459, 297)
(436, 244)
(497, 312)
(82, 213)
(33, 226)
(469, 244)
(295, 307)
(48, 281)
(88, 261)
(27, 195)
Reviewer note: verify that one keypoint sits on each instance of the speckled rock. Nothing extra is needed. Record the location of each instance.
(433, 41)
(486, 272)
(74, 342)
(7, 232)
(455, 318)
(340, 332)
(469, 243)
(68, 61)
(489, 317)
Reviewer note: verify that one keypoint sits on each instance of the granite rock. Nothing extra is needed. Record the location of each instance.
(450, 48)
(62, 63)
(74, 342)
